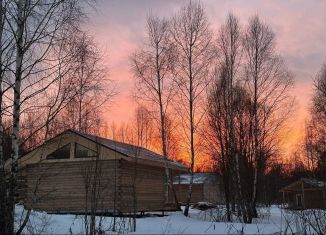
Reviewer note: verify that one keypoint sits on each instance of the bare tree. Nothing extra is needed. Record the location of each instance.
(93, 87)
(144, 129)
(152, 68)
(172, 138)
(247, 106)
(192, 41)
(35, 26)
(268, 81)
(123, 132)
(220, 141)
(315, 144)
(229, 48)
(6, 50)
(37, 126)
(96, 189)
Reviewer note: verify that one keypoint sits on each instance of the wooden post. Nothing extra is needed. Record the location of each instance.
(324, 199)
(283, 194)
(303, 197)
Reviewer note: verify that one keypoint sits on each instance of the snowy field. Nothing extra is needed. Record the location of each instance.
(272, 220)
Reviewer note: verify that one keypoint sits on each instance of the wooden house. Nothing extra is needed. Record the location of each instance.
(77, 172)
(207, 187)
(305, 194)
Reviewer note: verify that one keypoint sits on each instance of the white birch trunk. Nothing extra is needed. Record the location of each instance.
(3, 187)
(16, 108)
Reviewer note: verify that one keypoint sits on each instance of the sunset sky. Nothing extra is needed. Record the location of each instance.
(118, 26)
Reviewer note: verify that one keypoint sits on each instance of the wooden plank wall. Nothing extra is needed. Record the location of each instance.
(182, 192)
(147, 182)
(213, 192)
(61, 186)
(21, 186)
(314, 199)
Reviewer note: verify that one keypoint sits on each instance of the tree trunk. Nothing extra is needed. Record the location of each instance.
(163, 134)
(192, 130)
(15, 137)
(3, 188)
(254, 193)
(241, 197)
(227, 196)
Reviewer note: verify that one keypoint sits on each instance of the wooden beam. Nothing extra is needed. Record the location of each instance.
(324, 199)
(303, 197)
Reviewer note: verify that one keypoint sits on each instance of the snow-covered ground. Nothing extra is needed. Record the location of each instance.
(272, 220)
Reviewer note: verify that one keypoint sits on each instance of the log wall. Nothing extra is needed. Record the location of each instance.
(146, 182)
(21, 190)
(121, 187)
(207, 192)
(67, 187)
(213, 193)
(313, 199)
(182, 192)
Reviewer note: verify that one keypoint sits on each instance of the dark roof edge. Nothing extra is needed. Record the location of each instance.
(88, 138)
(303, 180)
(113, 149)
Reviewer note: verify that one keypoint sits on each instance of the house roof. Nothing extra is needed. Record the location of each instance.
(315, 183)
(128, 150)
(199, 178)
(306, 183)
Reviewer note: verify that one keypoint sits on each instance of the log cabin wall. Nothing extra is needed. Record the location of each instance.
(60, 187)
(182, 192)
(21, 186)
(68, 186)
(212, 193)
(146, 183)
(314, 199)
(292, 200)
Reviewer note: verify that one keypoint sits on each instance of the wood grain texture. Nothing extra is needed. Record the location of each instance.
(123, 187)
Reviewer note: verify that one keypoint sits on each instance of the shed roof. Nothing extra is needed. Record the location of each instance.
(306, 183)
(128, 150)
(199, 178)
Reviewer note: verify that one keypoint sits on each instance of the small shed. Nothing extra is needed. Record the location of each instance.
(305, 194)
(207, 187)
(76, 172)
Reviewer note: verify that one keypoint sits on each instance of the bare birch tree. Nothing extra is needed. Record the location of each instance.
(229, 51)
(268, 81)
(247, 107)
(43, 109)
(36, 27)
(152, 68)
(97, 187)
(192, 41)
(6, 50)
